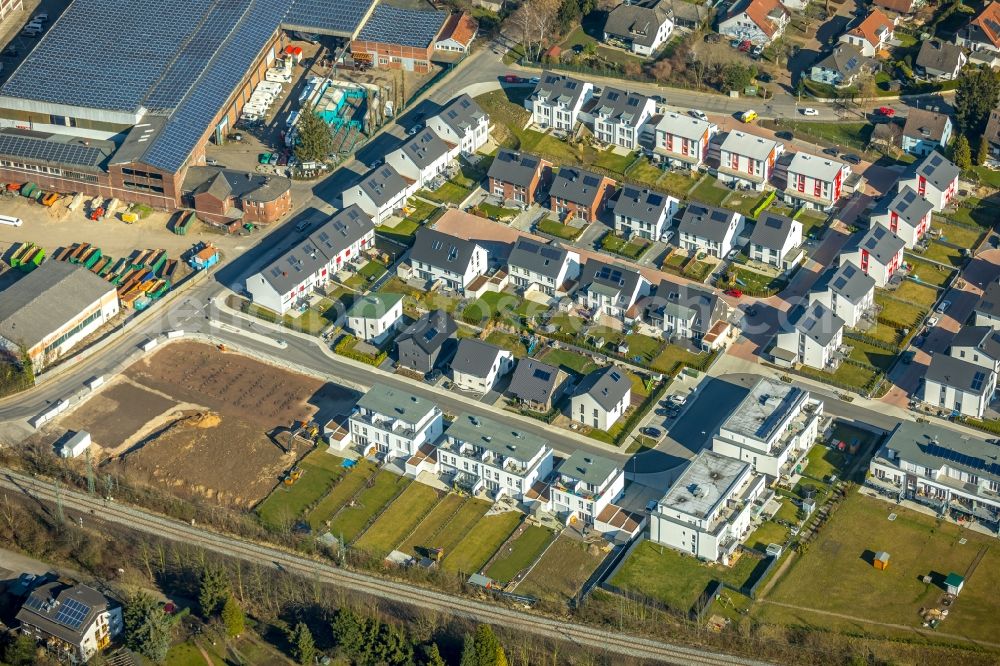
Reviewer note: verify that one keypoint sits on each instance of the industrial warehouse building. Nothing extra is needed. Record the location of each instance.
(51, 309)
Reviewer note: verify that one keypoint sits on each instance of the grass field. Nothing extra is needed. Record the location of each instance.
(953, 233)
(836, 573)
(449, 192)
(346, 488)
(976, 212)
(523, 551)
(569, 360)
(632, 249)
(927, 272)
(710, 192)
(480, 542)
(824, 461)
(919, 294)
(899, 311)
(767, 533)
(845, 135)
(943, 254)
(854, 376)
(446, 525)
(870, 354)
(563, 569)
(396, 522)
(320, 471)
(558, 229)
(350, 521)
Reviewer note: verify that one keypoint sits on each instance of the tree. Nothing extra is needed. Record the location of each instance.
(483, 649)
(232, 617)
(213, 592)
(737, 77)
(20, 651)
(962, 154)
(662, 70)
(303, 647)
(983, 153)
(532, 23)
(977, 94)
(147, 628)
(315, 140)
(431, 655)
(867, 89)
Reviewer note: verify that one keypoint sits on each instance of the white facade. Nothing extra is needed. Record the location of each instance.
(421, 174)
(939, 192)
(601, 300)
(717, 242)
(682, 140)
(461, 276)
(470, 138)
(560, 112)
(503, 363)
(650, 228)
(584, 486)
(394, 423)
(760, 22)
(527, 277)
(375, 325)
(959, 386)
(872, 35)
(848, 309)
(910, 228)
(814, 338)
(585, 408)
(75, 445)
(616, 131)
(816, 182)
(775, 256)
(383, 204)
(747, 160)
(879, 266)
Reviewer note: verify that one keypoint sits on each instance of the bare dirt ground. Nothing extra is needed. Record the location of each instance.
(118, 412)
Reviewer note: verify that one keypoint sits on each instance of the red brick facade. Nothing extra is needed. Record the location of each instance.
(392, 56)
(210, 209)
(567, 209)
(521, 193)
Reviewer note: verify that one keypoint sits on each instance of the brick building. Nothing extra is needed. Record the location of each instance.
(397, 38)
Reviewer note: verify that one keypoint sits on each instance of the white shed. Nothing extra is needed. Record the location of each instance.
(75, 445)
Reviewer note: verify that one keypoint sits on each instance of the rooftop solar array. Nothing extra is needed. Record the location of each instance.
(974, 462)
(72, 613)
(406, 27)
(40, 150)
(336, 17)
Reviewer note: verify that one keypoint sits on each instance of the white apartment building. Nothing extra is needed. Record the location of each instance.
(541, 266)
(906, 214)
(380, 194)
(393, 422)
(374, 317)
(422, 158)
(708, 229)
(708, 510)
(462, 123)
(643, 213)
(747, 160)
(454, 261)
(958, 385)
(585, 484)
(934, 178)
(557, 100)
(618, 116)
(815, 182)
(847, 291)
(682, 140)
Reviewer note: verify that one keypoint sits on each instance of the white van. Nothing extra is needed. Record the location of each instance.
(11, 221)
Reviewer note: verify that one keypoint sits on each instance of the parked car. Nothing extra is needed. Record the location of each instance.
(416, 128)
(700, 115)
(666, 236)
(534, 79)
(886, 111)
(735, 293)
(943, 307)
(735, 43)
(677, 399)
(784, 134)
(932, 322)
(511, 78)
(809, 111)
(651, 432)
(662, 411)
(851, 158)
(831, 151)
(746, 45)
(748, 116)
(376, 163)
(757, 51)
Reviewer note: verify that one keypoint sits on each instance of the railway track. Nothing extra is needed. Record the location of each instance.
(167, 528)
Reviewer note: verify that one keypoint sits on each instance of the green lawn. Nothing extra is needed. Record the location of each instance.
(769, 532)
(631, 249)
(558, 229)
(852, 375)
(497, 212)
(813, 223)
(977, 212)
(309, 321)
(420, 210)
(927, 272)
(698, 270)
(569, 360)
(893, 336)
(709, 192)
(402, 232)
(351, 520)
(919, 294)
(987, 176)
(580, 38)
(480, 542)
(521, 553)
(349, 484)
(744, 203)
(870, 354)
(825, 461)
(902, 312)
(370, 272)
(788, 511)
(320, 471)
(396, 522)
(450, 192)
(492, 304)
(563, 570)
(612, 161)
(953, 233)
(943, 254)
(748, 279)
(660, 355)
(844, 135)
(672, 182)
(508, 341)
(446, 525)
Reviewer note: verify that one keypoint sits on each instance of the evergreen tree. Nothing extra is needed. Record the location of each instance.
(483, 648)
(984, 150)
(147, 628)
(962, 155)
(469, 657)
(431, 655)
(213, 592)
(20, 651)
(303, 647)
(232, 617)
(315, 141)
(977, 94)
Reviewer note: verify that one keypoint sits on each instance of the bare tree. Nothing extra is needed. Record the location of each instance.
(531, 24)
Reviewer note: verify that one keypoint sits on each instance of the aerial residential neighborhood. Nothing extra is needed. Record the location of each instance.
(521, 332)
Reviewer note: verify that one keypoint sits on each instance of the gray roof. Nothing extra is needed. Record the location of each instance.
(345, 228)
(390, 401)
(461, 114)
(771, 230)
(533, 381)
(424, 148)
(958, 373)
(442, 250)
(750, 145)
(706, 221)
(706, 482)
(416, 28)
(515, 168)
(240, 184)
(683, 125)
(939, 55)
(607, 386)
(764, 408)
(475, 357)
(818, 323)
(845, 59)
(64, 611)
(635, 23)
(500, 438)
(558, 89)
(847, 281)
(588, 467)
(935, 168)
(814, 166)
(430, 331)
(925, 125)
(933, 446)
(336, 17)
(576, 185)
(541, 258)
(383, 184)
(621, 106)
(907, 204)
(683, 10)
(992, 131)
(882, 244)
(373, 306)
(610, 278)
(984, 338)
(691, 300)
(989, 304)
(46, 299)
(641, 204)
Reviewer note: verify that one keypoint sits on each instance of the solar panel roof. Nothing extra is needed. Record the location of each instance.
(335, 17)
(40, 150)
(72, 613)
(406, 27)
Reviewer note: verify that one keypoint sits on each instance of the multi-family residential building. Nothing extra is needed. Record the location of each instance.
(758, 21)
(618, 116)
(439, 256)
(906, 214)
(682, 140)
(643, 212)
(925, 131)
(814, 335)
(393, 422)
(872, 35)
(579, 193)
(708, 510)
(707, 229)
(987, 309)
(776, 240)
(747, 160)
(536, 385)
(374, 317)
(642, 29)
(478, 365)
(422, 158)
(517, 176)
(879, 255)
(841, 67)
(601, 398)
(685, 311)
(815, 182)
(462, 123)
(942, 468)
(983, 32)
(380, 194)
(75, 622)
(958, 385)
(979, 345)
(557, 100)
(610, 289)
(547, 268)
(847, 291)
(585, 484)
(772, 428)
(934, 178)
(940, 60)
(482, 454)
(312, 263)
(427, 342)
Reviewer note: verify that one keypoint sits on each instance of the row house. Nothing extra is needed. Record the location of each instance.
(393, 422)
(610, 289)
(987, 309)
(813, 337)
(557, 100)
(422, 158)
(747, 160)
(643, 213)
(454, 261)
(979, 345)
(879, 255)
(685, 311)
(958, 385)
(682, 140)
(579, 193)
(462, 123)
(544, 267)
(934, 178)
(847, 290)
(815, 182)
(517, 177)
(381, 193)
(708, 229)
(776, 240)
(585, 484)
(906, 214)
(618, 117)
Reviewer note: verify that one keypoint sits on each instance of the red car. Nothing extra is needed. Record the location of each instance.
(886, 111)
(735, 293)
(512, 78)
(746, 45)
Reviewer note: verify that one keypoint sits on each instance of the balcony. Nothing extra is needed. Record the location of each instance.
(395, 426)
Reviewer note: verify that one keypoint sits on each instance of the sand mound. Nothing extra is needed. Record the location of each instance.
(202, 421)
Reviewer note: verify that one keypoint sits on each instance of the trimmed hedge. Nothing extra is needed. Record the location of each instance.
(346, 348)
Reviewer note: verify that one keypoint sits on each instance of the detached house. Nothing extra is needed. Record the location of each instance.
(585, 485)
(815, 182)
(517, 176)
(394, 423)
(422, 158)
(940, 60)
(640, 29)
(776, 240)
(454, 261)
(478, 365)
(536, 385)
(987, 310)
(643, 212)
(847, 291)
(992, 134)
(709, 229)
(906, 214)
(757, 21)
(747, 160)
(814, 336)
(872, 35)
(75, 622)
(618, 116)
(557, 100)
(983, 32)
(382, 192)
(374, 317)
(934, 178)
(841, 67)
(879, 255)
(925, 131)
(958, 385)
(578, 193)
(610, 289)
(547, 268)
(601, 398)
(686, 311)
(682, 140)
(979, 345)
(427, 341)
(462, 123)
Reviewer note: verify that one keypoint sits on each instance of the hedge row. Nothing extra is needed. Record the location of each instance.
(874, 342)
(346, 348)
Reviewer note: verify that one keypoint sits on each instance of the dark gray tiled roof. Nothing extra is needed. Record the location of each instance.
(984, 338)
(240, 184)
(610, 277)
(430, 331)
(461, 114)
(702, 303)
(940, 55)
(907, 204)
(425, 148)
(606, 386)
(533, 381)
(882, 244)
(935, 168)
(442, 250)
(383, 184)
(558, 88)
(989, 304)
(706, 221)
(475, 357)
(925, 125)
(845, 59)
(641, 204)
(620, 105)
(515, 168)
(959, 374)
(537, 257)
(818, 323)
(933, 447)
(576, 186)
(771, 230)
(848, 281)
(635, 23)
(63, 611)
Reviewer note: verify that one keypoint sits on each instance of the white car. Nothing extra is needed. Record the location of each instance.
(700, 115)
(932, 322)
(943, 307)
(810, 112)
